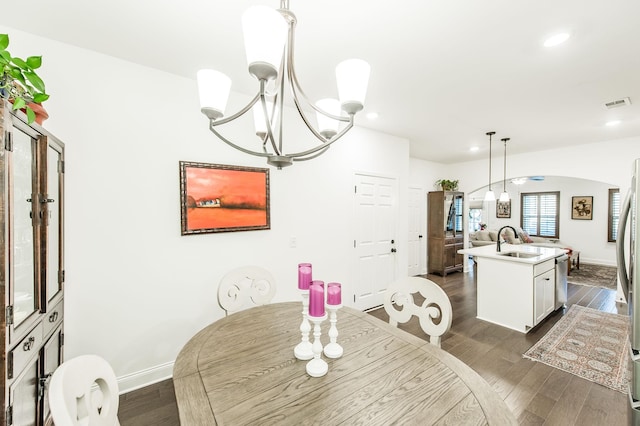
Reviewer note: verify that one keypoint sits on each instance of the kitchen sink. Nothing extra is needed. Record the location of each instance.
(518, 254)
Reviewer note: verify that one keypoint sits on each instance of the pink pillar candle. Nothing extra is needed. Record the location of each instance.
(316, 300)
(304, 276)
(318, 282)
(334, 294)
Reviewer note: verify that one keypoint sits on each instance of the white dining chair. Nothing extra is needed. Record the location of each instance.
(245, 287)
(84, 391)
(435, 313)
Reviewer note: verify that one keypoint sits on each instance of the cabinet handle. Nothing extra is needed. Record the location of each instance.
(53, 317)
(29, 344)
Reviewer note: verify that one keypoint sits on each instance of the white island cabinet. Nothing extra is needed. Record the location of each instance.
(516, 286)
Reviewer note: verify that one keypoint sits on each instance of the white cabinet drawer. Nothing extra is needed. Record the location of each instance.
(543, 267)
(25, 350)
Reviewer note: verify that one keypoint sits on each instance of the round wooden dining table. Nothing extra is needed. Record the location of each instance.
(241, 370)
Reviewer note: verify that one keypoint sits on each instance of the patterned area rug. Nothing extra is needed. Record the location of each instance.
(591, 344)
(594, 276)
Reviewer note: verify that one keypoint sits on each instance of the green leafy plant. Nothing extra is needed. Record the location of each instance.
(447, 185)
(19, 82)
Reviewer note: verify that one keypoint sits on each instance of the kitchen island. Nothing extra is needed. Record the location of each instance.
(516, 287)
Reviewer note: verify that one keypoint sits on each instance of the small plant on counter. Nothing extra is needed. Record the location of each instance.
(19, 82)
(447, 185)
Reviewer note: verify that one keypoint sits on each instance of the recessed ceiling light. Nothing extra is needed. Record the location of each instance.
(474, 149)
(612, 123)
(372, 115)
(556, 39)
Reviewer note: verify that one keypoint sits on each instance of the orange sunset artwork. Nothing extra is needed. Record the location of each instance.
(225, 198)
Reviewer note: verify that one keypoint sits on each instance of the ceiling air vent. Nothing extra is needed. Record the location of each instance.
(618, 103)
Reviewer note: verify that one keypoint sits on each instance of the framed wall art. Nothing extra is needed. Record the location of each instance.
(503, 209)
(223, 198)
(582, 208)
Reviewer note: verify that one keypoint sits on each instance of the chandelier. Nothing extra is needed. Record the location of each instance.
(490, 195)
(269, 37)
(504, 197)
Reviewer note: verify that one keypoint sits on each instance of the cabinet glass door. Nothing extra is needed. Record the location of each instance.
(21, 227)
(53, 224)
(453, 206)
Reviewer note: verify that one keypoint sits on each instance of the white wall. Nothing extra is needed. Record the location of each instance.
(136, 290)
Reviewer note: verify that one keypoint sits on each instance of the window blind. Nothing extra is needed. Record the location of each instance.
(614, 214)
(539, 214)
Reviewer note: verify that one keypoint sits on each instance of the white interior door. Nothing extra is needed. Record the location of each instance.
(417, 201)
(375, 199)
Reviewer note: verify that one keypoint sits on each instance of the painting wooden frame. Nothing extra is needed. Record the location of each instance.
(503, 209)
(223, 198)
(582, 208)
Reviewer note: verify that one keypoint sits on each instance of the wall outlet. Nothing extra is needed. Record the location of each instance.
(293, 242)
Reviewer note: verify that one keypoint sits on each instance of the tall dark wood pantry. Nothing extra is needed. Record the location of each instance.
(445, 231)
(31, 266)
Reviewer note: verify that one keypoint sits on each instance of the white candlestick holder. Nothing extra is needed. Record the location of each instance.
(333, 349)
(303, 350)
(317, 367)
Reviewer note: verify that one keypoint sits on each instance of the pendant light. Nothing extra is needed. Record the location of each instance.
(504, 197)
(490, 196)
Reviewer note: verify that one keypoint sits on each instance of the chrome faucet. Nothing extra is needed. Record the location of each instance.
(515, 234)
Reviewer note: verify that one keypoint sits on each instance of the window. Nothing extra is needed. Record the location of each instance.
(458, 218)
(614, 214)
(539, 214)
(475, 219)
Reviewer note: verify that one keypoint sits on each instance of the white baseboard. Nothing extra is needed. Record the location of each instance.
(140, 379)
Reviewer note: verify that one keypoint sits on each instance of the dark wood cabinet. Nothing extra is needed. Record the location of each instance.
(445, 231)
(31, 266)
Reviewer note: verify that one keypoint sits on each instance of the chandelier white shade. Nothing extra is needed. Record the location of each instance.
(265, 35)
(213, 88)
(352, 76)
(269, 39)
(327, 126)
(258, 117)
(490, 195)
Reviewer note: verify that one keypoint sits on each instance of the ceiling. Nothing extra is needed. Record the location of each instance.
(443, 72)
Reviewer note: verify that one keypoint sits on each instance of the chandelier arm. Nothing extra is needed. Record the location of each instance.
(311, 157)
(237, 114)
(281, 102)
(263, 101)
(323, 147)
(296, 88)
(233, 145)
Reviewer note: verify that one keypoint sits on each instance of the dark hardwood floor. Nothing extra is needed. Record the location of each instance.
(536, 393)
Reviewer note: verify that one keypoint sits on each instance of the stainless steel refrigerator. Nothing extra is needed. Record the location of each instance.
(629, 277)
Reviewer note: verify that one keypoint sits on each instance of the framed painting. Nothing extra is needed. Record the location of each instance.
(503, 209)
(223, 198)
(582, 208)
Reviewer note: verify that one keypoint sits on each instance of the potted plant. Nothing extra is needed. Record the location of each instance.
(19, 82)
(447, 185)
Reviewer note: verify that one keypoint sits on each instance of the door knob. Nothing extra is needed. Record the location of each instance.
(393, 250)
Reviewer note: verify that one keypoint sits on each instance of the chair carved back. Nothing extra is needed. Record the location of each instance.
(435, 313)
(84, 391)
(244, 287)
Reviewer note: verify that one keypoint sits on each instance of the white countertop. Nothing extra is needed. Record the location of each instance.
(540, 254)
